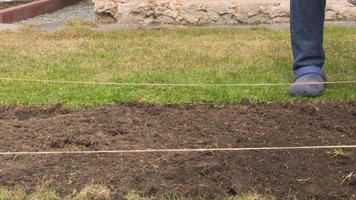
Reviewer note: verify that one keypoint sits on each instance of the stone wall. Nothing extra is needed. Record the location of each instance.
(210, 12)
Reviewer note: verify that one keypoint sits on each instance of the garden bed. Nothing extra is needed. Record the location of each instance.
(8, 4)
(19, 10)
(301, 174)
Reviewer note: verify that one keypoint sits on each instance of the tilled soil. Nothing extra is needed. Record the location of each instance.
(9, 4)
(301, 174)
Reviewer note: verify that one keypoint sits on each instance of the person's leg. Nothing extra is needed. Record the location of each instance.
(307, 29)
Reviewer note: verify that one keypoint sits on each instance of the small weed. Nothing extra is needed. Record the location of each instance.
(340, 153)
(346, 179)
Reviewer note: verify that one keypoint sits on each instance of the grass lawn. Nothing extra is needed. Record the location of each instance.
(162, 56)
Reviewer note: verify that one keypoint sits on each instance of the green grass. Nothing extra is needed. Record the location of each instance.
(162, 56)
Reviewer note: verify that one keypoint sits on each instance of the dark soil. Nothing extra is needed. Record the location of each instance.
(301, 174)
(4, 5)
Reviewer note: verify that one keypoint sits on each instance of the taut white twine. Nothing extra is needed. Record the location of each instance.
(181, 150)
(170, 84)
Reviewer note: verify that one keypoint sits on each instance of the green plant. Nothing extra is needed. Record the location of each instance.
(346, 179)
(339, 152)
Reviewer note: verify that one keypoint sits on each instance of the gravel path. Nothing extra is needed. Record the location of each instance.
(83, 10)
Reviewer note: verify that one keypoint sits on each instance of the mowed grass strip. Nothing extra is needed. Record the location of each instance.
(213, 56)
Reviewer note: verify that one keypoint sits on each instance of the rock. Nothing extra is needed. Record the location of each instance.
(212, 12)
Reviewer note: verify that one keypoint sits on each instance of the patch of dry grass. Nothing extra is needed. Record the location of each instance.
(99, 192)
(249, 196)
(43, 192)
(94, 192)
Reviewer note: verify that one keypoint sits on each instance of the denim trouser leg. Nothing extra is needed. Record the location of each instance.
(307, 29)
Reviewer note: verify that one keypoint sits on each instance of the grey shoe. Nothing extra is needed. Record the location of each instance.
(309, 85)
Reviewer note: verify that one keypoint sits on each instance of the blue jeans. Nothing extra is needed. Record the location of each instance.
(307, 29)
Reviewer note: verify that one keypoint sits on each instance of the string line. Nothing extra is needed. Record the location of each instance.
(170, 84)
(181, 150)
